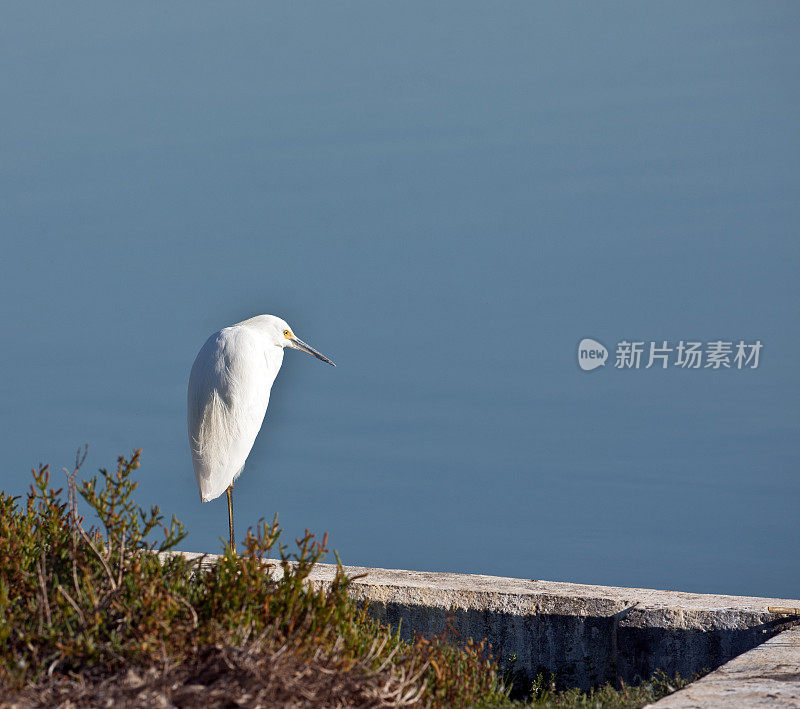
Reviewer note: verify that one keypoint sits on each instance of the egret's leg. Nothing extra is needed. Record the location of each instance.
(230, 515)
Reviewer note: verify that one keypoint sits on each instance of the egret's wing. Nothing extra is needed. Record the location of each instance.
(228, 395)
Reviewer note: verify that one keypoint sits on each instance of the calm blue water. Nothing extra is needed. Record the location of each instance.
(444, 199)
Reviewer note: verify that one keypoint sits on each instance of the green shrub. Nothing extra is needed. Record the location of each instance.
(544, 695)
(91, 612)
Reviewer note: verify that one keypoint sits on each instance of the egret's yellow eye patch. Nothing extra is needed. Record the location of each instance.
(288, 334)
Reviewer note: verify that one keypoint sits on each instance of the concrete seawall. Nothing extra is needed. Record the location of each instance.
(585, 634)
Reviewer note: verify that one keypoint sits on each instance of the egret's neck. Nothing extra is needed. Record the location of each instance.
(274, 356)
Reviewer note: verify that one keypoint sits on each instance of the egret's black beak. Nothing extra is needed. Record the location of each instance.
(300, 345)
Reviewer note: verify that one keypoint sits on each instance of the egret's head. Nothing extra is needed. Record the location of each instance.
(293, 341)
(281, 334)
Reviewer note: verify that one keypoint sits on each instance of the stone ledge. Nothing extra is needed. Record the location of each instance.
(767, 676)
(586, 634)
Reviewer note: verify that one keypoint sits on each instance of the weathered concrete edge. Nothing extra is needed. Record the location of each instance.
(479, 591)
(586, 634)
(768, 675)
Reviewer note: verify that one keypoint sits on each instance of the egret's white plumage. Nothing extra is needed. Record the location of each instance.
(229, 390)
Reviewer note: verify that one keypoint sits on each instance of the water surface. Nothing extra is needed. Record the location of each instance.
(444, 199)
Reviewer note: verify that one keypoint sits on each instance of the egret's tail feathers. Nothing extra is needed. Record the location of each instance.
(213, 485)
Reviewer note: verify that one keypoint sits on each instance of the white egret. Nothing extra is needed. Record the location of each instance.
(228, 395)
